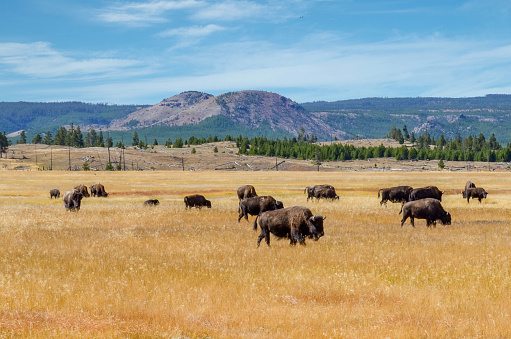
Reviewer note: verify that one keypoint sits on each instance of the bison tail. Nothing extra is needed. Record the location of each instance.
(379, 192)
(401, 210)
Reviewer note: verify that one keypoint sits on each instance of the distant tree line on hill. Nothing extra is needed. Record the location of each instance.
(304, 146)
(472, 148)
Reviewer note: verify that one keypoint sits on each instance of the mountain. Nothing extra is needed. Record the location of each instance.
(250, 109)
(256, 113)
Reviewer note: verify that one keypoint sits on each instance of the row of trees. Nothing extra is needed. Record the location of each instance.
(472, 148)
(469, 149)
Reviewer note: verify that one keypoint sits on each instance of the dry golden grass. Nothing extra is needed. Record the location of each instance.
(116, 269)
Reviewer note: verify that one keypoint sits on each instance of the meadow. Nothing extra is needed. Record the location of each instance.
(116, 269)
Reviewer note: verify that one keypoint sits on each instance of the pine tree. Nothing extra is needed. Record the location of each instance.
(23, 138)
(135, 139)
(37, 139)
(48, 139)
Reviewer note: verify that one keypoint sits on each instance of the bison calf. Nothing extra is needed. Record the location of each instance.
(197, 201)
(428, 208)
(295, 223)
(395, 194)
(98, 190)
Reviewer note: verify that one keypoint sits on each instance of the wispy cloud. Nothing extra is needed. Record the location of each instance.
(232, 10)
(141, 14)
(40, 60)
(191, 32)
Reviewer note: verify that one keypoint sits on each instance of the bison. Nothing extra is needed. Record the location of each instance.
(312, 189)
(83, 189)
(325, 193)
(246, 191)
(294, 223)
(426, 192)
(151, 202)
(54, 193)
(72, 200)
(428, 208)
(257, 205)
(98, 190)
(468, 185)
(474, 193)
(395, 194)
(197, 201)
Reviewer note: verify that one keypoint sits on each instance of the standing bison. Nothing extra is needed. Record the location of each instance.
(83, 189)
(257, 205)
(197, 201)
(311, 190)
(426, 192)
(429, 209)
(294, 223)
(475, 193)
(246, 191)
(54, 193)
(72, 200)
(98, 190)
(468, 185)
(395, 194)
(325, 193)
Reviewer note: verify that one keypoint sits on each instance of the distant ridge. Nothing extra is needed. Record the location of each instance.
(246, 108)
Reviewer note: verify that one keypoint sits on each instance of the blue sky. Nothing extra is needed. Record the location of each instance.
(140, 52)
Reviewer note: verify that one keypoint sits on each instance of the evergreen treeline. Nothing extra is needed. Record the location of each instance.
(472, 148)
(304, 146)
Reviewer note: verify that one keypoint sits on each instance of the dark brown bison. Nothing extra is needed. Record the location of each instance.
(151, 202)
(475, 193)
(246, 191)
(325, 193)
(468, 185)
(98, 190)
(83, 189)
(54, 193)
(395, 194)
(72, 200)
(428, 208)
(294, 223)
(257, 205)
(426, 192)
(197, 201)
(312, 189)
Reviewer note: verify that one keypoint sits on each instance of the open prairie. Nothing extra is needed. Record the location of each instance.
(116, 269)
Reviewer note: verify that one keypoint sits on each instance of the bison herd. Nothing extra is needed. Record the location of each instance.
(297, 222)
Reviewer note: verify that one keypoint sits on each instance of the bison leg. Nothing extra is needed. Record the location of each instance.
(255, 222)
(412, 221)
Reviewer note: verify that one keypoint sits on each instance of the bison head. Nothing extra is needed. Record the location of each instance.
(464, 194)
(279, 205)
(446, 219)
(208, 203)
(316, 227)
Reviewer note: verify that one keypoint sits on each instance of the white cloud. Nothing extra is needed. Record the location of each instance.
(39, 60)
(191, 32)
(232, 10)
(141, 14)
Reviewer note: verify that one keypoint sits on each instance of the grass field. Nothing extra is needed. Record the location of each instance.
(118, 270)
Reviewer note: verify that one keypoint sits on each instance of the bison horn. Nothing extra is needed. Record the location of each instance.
(324, 217)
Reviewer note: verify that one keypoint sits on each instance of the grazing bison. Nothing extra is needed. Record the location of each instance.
(428, 208)
(395, 194)
(312, 189)
(151, 202)
(83, 189)
(294, 223)
(426, 192)
(54, 193)
(72, 200)
(257, 205)
(246, 191)
(197, 201)
(98, 190)
(325, 193)
(468, 185)
(474, 193)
